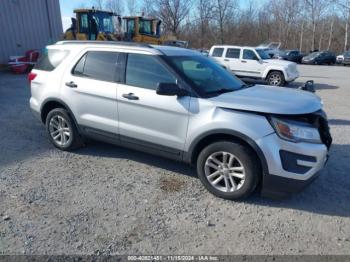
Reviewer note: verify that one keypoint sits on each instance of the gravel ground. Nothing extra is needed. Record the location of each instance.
(103, 199)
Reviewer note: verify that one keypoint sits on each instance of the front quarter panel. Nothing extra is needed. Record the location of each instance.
(205, 117)
(270, 68)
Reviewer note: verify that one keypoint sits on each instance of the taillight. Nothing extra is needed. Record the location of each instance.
(31, 77)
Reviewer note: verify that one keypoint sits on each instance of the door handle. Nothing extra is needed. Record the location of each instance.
(130, 96)
(71, 84)
(243, 61)
(227, 60)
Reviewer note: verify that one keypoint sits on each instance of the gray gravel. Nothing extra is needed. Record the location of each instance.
(103, 199)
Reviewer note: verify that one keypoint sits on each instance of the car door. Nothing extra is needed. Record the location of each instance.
(322, 58)
(232, 58)
(146, 119)
(250, 65)
(90, 90)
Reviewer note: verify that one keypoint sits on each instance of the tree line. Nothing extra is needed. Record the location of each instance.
(298, 24)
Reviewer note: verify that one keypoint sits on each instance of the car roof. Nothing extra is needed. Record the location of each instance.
(235, 46)
(175, 51)
(153, 49)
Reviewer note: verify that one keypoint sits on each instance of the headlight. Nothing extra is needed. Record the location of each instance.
(295, 131)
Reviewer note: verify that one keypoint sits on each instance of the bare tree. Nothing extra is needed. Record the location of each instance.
(173, 13)
(205, 15)
(303, 24)
(117, 6)
(346, 45)
(316, 8)
(132, 6)
(330, 38)
(345, 8)
(321, 35)
(223, 9)
(99, 4)
(301, 35)
(149, 8)
(285, 13)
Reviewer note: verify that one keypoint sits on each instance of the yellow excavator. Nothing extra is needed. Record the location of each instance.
(92, 24)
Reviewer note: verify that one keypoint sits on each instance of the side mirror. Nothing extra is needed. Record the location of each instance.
(170, 89)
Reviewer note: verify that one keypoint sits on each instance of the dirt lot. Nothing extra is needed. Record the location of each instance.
(107, 200)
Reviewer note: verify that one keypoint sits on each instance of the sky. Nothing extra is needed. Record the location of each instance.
(67, 7)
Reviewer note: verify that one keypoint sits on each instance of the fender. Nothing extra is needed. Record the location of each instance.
(270, 69)
(51, 99)
(187, 156)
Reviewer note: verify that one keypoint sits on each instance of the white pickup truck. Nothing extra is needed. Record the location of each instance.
(250, 62)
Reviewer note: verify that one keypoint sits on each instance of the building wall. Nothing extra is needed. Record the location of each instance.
(28, 24)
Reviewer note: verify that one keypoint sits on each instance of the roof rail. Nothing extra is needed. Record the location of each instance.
(86, 42)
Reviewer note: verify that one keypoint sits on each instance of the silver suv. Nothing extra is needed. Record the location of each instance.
(177, 103)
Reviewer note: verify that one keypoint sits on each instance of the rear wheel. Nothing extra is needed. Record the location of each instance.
(276, 78)
(228, 170)
(62, 131)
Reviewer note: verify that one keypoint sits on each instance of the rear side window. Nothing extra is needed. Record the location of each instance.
(217, 52)
(50, 59)
(146, 71)
(233, 53)
(97, 65)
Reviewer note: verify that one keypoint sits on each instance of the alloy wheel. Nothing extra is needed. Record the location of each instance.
(60, 130)
(275, 79)
(224, 171)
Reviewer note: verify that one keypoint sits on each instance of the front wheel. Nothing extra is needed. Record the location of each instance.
(228, 170)
(276, 78)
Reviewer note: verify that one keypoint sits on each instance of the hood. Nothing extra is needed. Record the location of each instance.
(268, 99)
(278, 62)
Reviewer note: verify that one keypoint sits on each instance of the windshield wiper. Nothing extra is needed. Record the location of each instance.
(247, 85)
(221, 91)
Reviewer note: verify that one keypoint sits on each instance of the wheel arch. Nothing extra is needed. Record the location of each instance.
(52, 103)
(223, 134)
(270, 70)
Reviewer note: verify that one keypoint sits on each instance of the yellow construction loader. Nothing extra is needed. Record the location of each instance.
(147, 30)
(92, 24)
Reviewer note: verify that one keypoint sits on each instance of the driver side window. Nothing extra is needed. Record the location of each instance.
(146, 71)
(249, 55)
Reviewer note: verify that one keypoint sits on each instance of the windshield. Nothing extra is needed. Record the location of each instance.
(146, 27)
(347, 54)
(104, 22)
(313, 55)
(206, 75)
(263, 55)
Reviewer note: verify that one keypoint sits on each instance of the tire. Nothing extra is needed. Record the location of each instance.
(245, 180)
(62, 131)
(276, 78)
